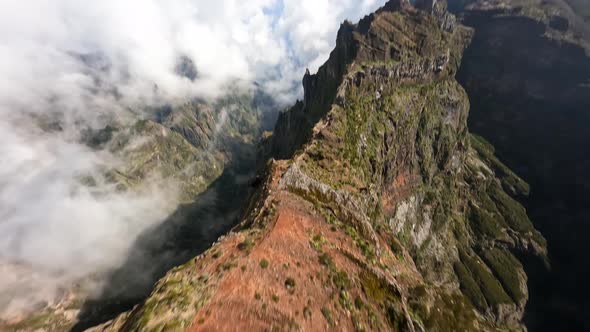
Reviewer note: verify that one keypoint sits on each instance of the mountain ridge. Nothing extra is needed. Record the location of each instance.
(380, 210)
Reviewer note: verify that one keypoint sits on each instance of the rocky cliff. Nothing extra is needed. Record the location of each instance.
(526, 73)
(377, 209)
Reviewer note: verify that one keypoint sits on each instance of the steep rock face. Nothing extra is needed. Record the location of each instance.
(526, 73)
(385, 214)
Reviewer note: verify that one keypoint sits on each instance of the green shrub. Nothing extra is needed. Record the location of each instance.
(326, 260)
(246, 245)
(358, 303)
(378, 290)
(328, 315)
(341, 280)
(290, 283)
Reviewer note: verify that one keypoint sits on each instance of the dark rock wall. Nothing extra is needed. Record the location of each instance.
(530, 97)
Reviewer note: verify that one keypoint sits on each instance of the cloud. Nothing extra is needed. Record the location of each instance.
(83, 63)
(137, 44)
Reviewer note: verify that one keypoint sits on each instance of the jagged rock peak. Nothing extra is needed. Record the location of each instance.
(398, 40)
(428, 5)
(394, 5)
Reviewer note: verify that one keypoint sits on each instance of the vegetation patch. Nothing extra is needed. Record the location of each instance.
(505, 267)
(326, 260)
(345, 300)
(469, 287)
(484, 224)
(455, 314)
(490, 287)
(340, 279)
(246, 245)
(366, 248)
(290, 283)
(377, 289)
(317, 242)
(173, 303)
(328, 315)
(510, 181)
(358, 303)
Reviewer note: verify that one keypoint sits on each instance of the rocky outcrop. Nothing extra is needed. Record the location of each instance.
(384, 212)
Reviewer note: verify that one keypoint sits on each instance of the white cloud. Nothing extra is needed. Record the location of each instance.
(67, 57)
(227, 39)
